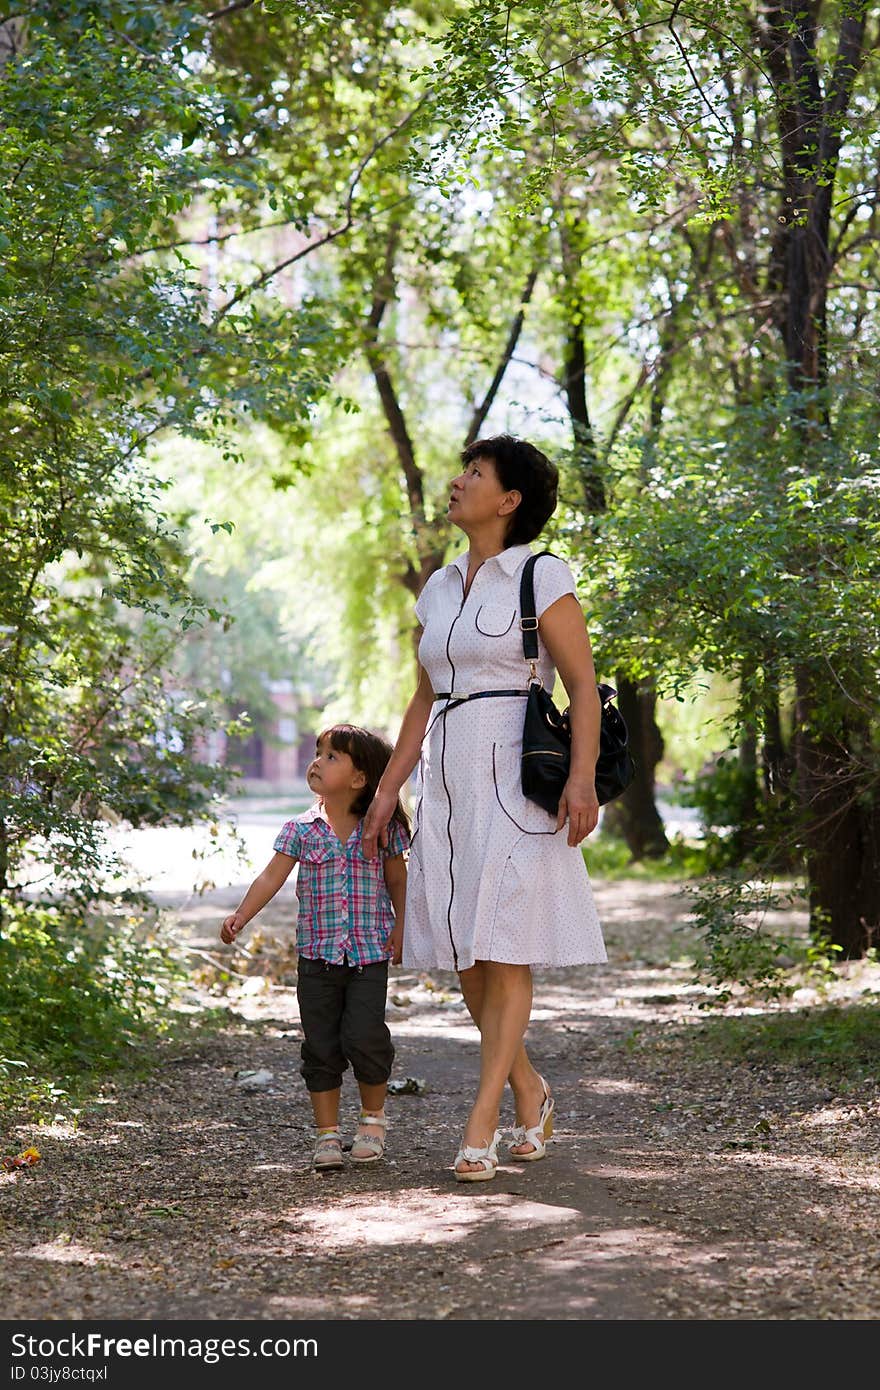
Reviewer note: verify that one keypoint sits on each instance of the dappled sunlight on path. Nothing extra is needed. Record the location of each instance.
(675, 1186)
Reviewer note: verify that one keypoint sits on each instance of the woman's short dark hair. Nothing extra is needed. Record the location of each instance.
(522, 467)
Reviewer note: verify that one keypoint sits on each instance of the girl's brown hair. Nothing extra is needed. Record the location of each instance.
(370, 753)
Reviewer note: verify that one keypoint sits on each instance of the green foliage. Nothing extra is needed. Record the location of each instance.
(723, 794)
(112, 133)
(79, 997)
(834, 1043)
(746, 558)
(607, 857)
(734, 917)
(739, 561)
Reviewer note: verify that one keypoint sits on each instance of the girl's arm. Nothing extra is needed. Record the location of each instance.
(565, 636)
(261, 891)
(400, 765)
(395, 881)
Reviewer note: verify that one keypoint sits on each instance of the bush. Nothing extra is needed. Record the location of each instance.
(739, 949)
(608, 857)
(723, 794)
(739, 824)
(77, 998)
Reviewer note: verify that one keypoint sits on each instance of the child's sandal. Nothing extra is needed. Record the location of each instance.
(369, 1148)
(328, 1151)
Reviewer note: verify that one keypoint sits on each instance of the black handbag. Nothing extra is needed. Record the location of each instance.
(546, 747)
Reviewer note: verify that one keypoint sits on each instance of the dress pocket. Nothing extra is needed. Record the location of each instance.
(494, 619)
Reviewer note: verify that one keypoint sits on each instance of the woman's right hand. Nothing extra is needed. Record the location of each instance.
(374, 831)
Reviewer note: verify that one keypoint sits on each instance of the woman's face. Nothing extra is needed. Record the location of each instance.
(477, 497)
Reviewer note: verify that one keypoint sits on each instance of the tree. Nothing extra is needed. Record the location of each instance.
(739, 129)
(109, 134)
(421, 163)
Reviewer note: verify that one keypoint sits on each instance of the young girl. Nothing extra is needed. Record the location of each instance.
(350, 923)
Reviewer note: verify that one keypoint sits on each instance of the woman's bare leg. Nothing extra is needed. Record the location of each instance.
(522, 1076)
(524, 1080)
(499, 998)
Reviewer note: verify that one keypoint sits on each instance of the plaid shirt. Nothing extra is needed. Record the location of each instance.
(344, 905)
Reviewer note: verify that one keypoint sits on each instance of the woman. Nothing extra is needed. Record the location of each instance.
(495, 885)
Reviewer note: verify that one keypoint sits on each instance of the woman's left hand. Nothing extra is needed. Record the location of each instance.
(578, 805)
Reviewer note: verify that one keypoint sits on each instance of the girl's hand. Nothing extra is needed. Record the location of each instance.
(578, 805)
(374, 831)
(232, 925)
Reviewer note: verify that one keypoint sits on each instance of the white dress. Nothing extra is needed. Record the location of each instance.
(489, 877)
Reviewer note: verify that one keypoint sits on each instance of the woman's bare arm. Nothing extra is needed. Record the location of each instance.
(400, 765)
(564, 634)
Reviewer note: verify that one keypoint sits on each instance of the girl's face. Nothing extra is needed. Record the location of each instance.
(477, 497)
(331, 772)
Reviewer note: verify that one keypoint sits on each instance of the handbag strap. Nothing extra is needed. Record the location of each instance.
(529, 623)
(527, 620)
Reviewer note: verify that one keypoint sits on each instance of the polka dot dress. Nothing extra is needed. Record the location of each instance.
(489, 877)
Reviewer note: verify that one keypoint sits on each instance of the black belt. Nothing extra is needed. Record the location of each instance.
(477, 695)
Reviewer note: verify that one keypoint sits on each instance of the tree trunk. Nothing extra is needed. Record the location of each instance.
(586, 457)
(4, 870)
(634, 816)
(748, 762)
(841, 830)
(838, 813)
(775, 759)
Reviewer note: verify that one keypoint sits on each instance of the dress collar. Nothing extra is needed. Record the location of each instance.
(509, 560)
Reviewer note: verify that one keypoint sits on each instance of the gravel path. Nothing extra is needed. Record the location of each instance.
(675, 1188)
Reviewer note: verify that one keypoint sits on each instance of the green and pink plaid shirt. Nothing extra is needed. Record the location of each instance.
(344, 906)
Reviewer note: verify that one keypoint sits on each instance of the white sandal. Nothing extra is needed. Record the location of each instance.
(486, 1157)
(328, 1151)
(536, 1135)
(372, 1146)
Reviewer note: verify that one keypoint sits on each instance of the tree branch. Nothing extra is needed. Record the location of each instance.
(628, 403)
(230, 9)
(851, 52)
(391, 407)
(482, 410)
(687, 62)
(214, 240)
(346, 225)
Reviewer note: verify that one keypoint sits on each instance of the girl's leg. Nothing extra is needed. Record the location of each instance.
(373, 1097)
(367, 1044)
(525, 1082)
(372, 1105)
(320, 998)
(328, 1141)
(504, 1003)
(325, 1105)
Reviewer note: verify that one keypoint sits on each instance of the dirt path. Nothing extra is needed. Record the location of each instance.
(674, 1189)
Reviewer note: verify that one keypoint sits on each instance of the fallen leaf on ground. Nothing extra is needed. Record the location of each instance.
(27, 1159)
